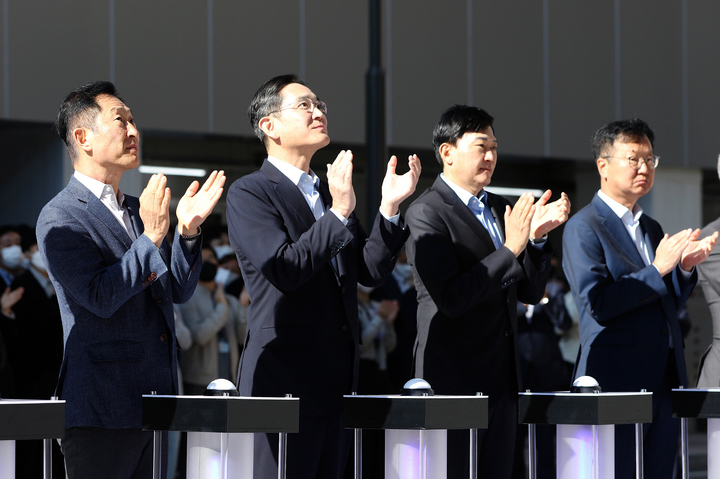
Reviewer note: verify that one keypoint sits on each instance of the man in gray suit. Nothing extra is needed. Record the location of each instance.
(709, 278)
(116, 279)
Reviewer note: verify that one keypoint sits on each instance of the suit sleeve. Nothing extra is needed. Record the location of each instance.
(92, 275)
(456, 287)
(605, 286)
(261, 233)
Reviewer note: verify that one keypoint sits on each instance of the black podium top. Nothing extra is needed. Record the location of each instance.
(584, 408)
(220, 414)
(703, 403)
(31, 419)
(416, 412)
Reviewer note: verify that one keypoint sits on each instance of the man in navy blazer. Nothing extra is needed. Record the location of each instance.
(302, 252)
(116, 279)
(629, 280)
(473, 258)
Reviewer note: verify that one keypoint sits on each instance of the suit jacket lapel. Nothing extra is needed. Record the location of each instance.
(133, 207)
(463, 213)
(617, 230)
(652, 237)
(497, 208)
(101, 212)
(289, 194)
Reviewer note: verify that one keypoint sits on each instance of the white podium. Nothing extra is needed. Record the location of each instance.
(218, 451)
(416, 430)
(585, 429)
(29, 419)
(699, 403)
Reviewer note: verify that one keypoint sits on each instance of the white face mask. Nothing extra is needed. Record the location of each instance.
(37, 261)
(12, 256)
(223, 250)
(225, 276)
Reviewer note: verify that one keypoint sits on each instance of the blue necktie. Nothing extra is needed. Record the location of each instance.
(477, 206)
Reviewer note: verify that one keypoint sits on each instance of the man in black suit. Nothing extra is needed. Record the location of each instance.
(473, 258)
(302, 252)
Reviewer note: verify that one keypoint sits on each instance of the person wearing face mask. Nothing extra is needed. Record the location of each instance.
(35, 353)
(213, 319)
(11, 254)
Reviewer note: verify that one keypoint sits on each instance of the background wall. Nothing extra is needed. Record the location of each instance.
(551, 72)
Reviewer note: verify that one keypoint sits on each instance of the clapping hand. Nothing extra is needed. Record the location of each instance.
(197, 203)
(549, 216)
(396, 188)
(697, 251)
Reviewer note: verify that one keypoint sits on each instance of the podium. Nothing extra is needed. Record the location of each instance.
(221, 416)
(29, 419)
(585, 428)
(416, 430)
(699, 403)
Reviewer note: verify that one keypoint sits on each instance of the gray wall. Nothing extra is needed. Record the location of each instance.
(551, 72)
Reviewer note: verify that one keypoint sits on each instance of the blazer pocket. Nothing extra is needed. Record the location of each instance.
(285, 336)
(116, 351)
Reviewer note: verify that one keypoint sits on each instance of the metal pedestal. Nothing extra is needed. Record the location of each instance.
(416, 430)
(699, 403)
(217, 419)
(29, 419)
(585, 428)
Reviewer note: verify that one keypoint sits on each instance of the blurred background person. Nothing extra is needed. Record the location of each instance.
(378, 339)
(213, 318)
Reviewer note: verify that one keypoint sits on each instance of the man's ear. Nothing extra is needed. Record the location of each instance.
(602, 166)
(81, 137)
(268, 125)
(445, 150)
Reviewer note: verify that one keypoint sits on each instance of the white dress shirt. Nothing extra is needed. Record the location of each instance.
(106, 194)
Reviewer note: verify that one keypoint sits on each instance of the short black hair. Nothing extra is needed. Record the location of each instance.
(268, 99)
(455, 122)
(624, 131)
(80, 109)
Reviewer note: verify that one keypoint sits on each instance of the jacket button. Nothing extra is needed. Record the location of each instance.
(163, 337)
(158, 299)
(345, 328)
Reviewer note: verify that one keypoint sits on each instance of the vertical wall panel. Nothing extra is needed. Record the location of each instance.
(582, 75)
(651, 72)
(704, 83)
(254, 41)
(337, 60)
(161, 62)
(429, 67)
(508, 74)
(54, 47)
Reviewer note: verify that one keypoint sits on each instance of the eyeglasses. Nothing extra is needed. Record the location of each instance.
(304, 105)
(636, 163)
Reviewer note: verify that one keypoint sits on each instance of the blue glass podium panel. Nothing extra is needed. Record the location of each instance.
(705, 404)
(215, 426)
(415, 430)
(585, 428)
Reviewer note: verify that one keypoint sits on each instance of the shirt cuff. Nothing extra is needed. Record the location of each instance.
(393, 219)
(340, 217)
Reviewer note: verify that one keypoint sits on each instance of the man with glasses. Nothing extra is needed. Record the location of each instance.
(629, 280)
(302, 252)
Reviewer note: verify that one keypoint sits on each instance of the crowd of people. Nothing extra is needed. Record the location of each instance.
(104, 301)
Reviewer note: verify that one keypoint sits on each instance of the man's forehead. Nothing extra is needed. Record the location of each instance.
(632, 145)
(296, 91)
(111, 103)
(485, 135)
